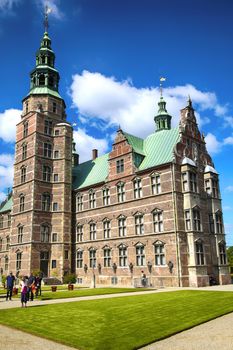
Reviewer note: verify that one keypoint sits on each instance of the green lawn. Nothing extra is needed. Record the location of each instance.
(86, 292)
(121, 323)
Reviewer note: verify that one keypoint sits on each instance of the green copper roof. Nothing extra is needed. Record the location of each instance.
(7, 206)
(155, 150)
(90, 172)
(44, 90)
(135, 142)
(159, 147)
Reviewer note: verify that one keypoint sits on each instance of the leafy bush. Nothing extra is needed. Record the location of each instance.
(3, 280)
(69, 278)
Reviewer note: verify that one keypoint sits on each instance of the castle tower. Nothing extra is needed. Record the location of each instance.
(41, 212)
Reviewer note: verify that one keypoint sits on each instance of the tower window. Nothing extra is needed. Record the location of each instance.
(47, 173)
(23, 175)
(24, 151)
(44, 233)
(43, 59)
(41, 80)
(48, 127)
(20, 234)
(47, 150)
(18, 261)
(46, 201)
(54, 107)
(25, 129)
(21, 203)
(51, 81)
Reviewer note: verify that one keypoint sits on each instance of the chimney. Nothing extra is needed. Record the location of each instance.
(75, 159)
(94, 154)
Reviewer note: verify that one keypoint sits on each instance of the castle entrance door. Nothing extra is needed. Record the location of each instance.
(44, 263)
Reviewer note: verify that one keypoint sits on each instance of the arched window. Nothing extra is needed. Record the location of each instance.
(23, 174)
(139, 224)
(158, 220)
(222, 253)
(25, 129)
(92, 231)
(200, 260)
(79, 256)
(1, 221)
(21, 202)
(159, 249)
(107, 256)
(140, 254)
(46, 201)
(106, 196)
(155, 184)
(121, 192)
(24, 151)
(196, 219)
(20, 233)
(41, 80)
(6, 263)
(79, 233)
(122, 226)
(218, 220)
(79, 202)
(18, 261)
(92, 257)
(92, 199)
(107, 228)
(45, 233)
(122, 255)
(137, 188)
(47, 173)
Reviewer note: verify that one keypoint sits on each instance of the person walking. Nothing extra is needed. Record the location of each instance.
(31, 286)
(10, 280)
(24, 291)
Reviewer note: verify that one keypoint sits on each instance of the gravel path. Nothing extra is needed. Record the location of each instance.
(213, 335)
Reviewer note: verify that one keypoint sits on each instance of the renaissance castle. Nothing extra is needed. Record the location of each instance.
(150, 205)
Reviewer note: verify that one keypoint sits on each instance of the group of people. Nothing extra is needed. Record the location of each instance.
(30, 287)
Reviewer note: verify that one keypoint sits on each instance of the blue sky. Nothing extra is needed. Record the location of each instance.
(110, 55)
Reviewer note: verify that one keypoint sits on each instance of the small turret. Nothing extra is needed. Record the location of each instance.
(163, 119)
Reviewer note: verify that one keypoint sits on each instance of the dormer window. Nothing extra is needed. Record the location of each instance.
(120, 166)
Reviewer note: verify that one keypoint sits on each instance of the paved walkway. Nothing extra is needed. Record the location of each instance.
(211, 335)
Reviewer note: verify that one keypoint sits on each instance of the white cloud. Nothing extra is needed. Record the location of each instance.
(7, 5)
(53, 6)
(228, 140)
(6, 172)
(120, 103)
(229, 189)
(8, 120)
(213, 145)
(85, 143)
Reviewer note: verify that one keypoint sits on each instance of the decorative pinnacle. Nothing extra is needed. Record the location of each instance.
(161, 79)
(46, 20)
(189, 101)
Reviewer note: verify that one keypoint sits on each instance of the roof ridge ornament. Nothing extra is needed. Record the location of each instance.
(47, 11)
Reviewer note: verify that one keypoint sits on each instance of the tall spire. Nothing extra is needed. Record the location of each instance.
(44, 77)
(46, 19)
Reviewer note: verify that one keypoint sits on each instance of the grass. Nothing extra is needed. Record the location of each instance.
(86, 292)
(121, 323)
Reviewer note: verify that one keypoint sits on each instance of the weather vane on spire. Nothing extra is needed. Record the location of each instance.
(46, 20)
(161, 79)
